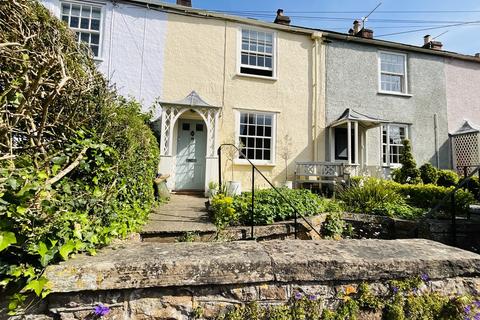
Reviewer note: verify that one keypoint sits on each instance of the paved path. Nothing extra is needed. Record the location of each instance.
(181, 214)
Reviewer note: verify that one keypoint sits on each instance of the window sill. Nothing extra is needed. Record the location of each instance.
(393, 93)
(256, 76)
(98, 59)
(240, 162)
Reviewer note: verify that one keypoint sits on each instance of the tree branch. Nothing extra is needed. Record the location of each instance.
(68, 169)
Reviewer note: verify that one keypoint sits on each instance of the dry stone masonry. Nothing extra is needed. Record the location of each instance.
(172, 280)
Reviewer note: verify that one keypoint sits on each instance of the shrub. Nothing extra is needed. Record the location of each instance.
(223, 211)
(369, 194)
(85, 176)
(473, 185)
(333, 226)
(447, 178)
(428, 173)
(408, 173)
(429, 195)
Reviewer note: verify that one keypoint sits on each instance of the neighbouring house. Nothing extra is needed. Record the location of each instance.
(337, 102)
(463, 104)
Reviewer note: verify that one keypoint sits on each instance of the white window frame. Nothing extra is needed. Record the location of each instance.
(270, 162)
(405, 73)
(387, 144)
(274, 53)
(99, 5)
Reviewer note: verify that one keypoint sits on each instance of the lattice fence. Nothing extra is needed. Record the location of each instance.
(465, 149)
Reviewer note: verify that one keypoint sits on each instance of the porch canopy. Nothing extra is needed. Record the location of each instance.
(351, 118)
(171, 111)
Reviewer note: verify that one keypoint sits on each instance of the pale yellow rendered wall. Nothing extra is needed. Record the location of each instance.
(201, 55)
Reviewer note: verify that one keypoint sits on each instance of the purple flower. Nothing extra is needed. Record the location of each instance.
(425, 277)
(298, 296)
(312, 297)
(477, 303)
(395, 290)
(101, 310)
(476, 317)
(467, 309)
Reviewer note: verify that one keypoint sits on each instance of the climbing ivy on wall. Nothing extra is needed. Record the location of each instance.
(76, 160)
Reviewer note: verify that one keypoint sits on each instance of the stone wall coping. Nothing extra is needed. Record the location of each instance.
(147, 265)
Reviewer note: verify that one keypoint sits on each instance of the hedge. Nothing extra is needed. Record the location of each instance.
(76, 162)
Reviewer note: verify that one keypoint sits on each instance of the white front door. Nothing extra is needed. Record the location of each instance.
(191, 151)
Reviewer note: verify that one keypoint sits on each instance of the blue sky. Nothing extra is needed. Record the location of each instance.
(337, 15)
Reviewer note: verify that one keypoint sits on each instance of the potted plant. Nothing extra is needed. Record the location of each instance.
(285, 154)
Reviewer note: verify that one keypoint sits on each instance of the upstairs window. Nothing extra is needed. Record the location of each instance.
(256, 136)
(257, 53)
(392, 143)
(393, 70)
(85, 20)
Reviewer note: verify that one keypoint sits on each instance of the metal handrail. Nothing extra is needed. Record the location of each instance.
(296, 211)
(451, 196)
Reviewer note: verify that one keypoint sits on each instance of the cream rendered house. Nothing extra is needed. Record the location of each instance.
(241, 81)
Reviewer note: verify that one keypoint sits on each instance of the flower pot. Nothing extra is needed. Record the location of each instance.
(288, 184)
(234, 188)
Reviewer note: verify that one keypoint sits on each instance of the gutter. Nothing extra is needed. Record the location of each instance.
(400, 46)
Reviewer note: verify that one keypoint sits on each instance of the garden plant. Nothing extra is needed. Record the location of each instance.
(77, 161)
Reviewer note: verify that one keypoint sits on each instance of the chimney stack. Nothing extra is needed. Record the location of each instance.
(281, 19)
(359, 31)
(428, 43)
(185, 3)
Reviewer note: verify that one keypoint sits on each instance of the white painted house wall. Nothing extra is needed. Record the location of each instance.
(131, 49)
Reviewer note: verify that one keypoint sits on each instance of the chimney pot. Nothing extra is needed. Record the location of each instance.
(356, 27)
(185, 3)
(427, 39)
(282, 19)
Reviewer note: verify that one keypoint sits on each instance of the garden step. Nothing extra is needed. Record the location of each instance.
(184, 216)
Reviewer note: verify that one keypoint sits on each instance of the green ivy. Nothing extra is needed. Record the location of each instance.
(406, 299)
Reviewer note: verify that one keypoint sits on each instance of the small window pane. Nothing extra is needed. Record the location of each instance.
(86, 11)
(252, 60)
(244, 58)
(244, 118)
(266, 143)
(268, 120)
(268, 62)
(95, 50)
(243, 129)
(84, 37)
(95, 25)
(260, 131)
(251, 118)
(259, 154)
(245, 45)
(95, 13)
(84, 23)
(251, 130)
(268, 131)
(65, 19)
(199, 127)
(94, 38)
(266, 155)
(261, 61)
(74, 22)
(65, 8)
(251, 153)
(75, 10)
(186, 126)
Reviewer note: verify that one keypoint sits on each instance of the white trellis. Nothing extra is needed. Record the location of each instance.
(465, 146)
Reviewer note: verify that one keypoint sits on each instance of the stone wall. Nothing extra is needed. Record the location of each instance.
(173, 280)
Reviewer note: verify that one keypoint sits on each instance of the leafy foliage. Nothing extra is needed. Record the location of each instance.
(447, 178)
(269, 206)
(408, 201)
(407, 299)
(408, 173)
(428, 173)
(76, 162)
(334, 226)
